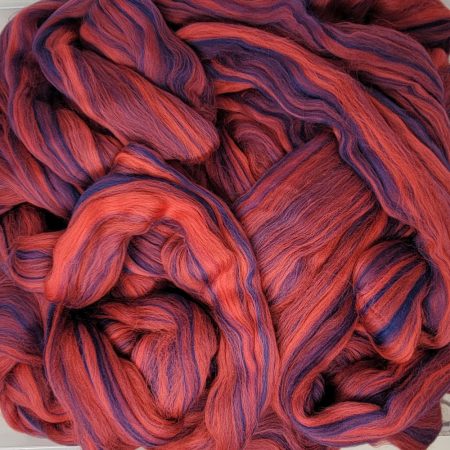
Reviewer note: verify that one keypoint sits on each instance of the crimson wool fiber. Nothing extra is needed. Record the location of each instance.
(224, 224)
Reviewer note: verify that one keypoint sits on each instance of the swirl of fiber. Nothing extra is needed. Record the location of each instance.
(225, 224)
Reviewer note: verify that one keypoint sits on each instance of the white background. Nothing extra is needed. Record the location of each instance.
(12, 440)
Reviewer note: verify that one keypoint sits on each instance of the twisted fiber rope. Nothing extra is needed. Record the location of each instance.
(225, 224)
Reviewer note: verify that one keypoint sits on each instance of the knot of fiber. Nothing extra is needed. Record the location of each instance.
(391, 281)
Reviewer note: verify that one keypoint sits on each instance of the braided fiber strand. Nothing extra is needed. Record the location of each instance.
(224, 224)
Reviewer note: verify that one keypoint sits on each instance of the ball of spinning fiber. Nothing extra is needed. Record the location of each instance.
(224, 224)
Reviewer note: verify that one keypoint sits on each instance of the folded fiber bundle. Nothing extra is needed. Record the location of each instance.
(224, 224)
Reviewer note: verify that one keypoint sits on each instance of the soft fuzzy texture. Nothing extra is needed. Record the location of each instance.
(224, 224)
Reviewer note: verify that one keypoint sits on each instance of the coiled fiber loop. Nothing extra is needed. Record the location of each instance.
(225, 224)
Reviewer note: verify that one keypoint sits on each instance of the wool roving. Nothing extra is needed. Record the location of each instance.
(224, 224)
